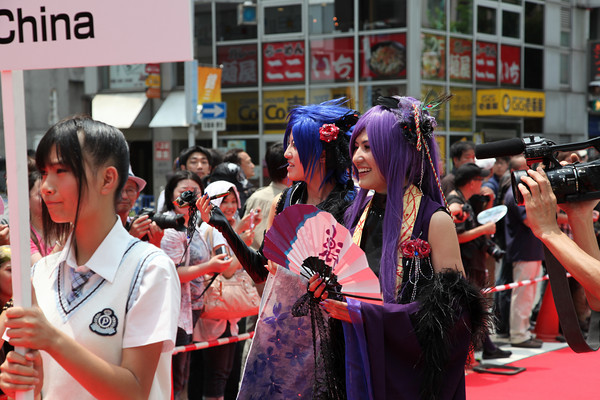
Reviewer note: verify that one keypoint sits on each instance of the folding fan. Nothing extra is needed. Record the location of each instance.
(302, 234)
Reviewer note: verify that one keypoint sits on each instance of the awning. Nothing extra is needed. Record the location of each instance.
(171, 113)
(119, 109)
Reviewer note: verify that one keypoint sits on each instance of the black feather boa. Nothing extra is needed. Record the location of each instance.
(448, 299)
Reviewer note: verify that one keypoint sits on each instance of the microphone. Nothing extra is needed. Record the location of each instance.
(501, 148)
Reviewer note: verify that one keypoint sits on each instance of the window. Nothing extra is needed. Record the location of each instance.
(382, 14)
(434, 15)
(228, 26)
(565, 27)
(511, 24)
(461, 16)
(283, 62)
(461, 60)
(433, 57)
(486, 20)
(283, 19)
(486, 59)
(240, 65)
(242, 113)
(534, 23)
(332, 60)
(533, 73)
(368, 94)
(331, 16)
(565, 68)
(383, 57)
(203, 34)
(461, 109)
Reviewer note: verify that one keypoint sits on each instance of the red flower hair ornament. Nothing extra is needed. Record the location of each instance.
(328, 132)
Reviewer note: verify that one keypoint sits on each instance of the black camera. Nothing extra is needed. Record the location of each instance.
(494, 250)
(186, 199)
(573, 182)
(163, 220)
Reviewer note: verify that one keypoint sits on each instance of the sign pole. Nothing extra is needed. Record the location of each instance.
(15, 139)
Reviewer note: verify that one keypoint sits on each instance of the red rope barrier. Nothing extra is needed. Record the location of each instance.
(249, 335)
(213, 343)
(513, 285)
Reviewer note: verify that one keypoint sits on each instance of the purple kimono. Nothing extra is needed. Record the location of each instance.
(419, 349)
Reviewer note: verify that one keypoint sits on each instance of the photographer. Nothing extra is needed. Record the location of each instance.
(580, 257)
(473, 238)
(141, 226)
(525, 254)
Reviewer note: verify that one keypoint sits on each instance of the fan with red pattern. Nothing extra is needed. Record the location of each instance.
(307, 240)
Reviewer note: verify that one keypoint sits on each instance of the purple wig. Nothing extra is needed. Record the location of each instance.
(400, 164)
(304, 123)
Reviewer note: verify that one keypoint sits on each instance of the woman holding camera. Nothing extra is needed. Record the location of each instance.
(218, 361)
(193, 260)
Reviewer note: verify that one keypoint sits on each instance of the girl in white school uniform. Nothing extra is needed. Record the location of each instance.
(105, 317)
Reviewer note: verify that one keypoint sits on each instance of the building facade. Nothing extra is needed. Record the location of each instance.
(514, 66)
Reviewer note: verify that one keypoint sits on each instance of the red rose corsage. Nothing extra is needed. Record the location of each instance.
(328, 132)
(415, 248)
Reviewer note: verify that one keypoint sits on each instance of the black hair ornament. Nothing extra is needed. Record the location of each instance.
(418, 125)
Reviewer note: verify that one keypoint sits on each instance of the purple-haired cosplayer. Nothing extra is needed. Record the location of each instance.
(416, 344)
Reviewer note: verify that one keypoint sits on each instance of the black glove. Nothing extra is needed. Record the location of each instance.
(252, 261)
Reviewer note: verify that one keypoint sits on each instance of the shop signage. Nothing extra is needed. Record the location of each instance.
(510, 103)
(510, 65)
(383, 56)
(461, 60)
(209, 85)
(283, 62)
(486, 57)
(239, 65)
(595, 60)
(332, 60)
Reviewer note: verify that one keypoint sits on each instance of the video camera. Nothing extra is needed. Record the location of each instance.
(570, 183)
(163, 220)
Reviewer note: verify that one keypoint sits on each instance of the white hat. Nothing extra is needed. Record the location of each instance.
(141, 184)
(219, 187)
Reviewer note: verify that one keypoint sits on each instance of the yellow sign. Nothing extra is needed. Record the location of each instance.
(209, 85)
(510, 103)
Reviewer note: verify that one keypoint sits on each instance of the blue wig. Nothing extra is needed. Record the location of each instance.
(305, 121)
(391, 133)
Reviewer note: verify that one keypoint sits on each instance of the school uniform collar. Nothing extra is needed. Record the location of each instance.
(107, 257)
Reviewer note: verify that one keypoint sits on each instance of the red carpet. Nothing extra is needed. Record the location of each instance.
(559, 374)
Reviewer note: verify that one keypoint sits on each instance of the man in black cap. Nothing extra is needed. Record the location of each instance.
(471, 236)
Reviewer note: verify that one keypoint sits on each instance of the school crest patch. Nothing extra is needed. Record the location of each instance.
(105, 323)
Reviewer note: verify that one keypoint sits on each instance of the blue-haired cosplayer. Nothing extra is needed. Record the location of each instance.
(416, 344)
(281, 362)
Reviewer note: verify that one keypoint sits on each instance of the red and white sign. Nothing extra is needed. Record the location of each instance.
(283, 62)
(461, 60)
(80, 33)
(332, 60)
(595, 60)
(239, 65)
(510, 67)
(486, 56)
(162, 151)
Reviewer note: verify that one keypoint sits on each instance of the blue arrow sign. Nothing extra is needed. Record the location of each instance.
(214, 110)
